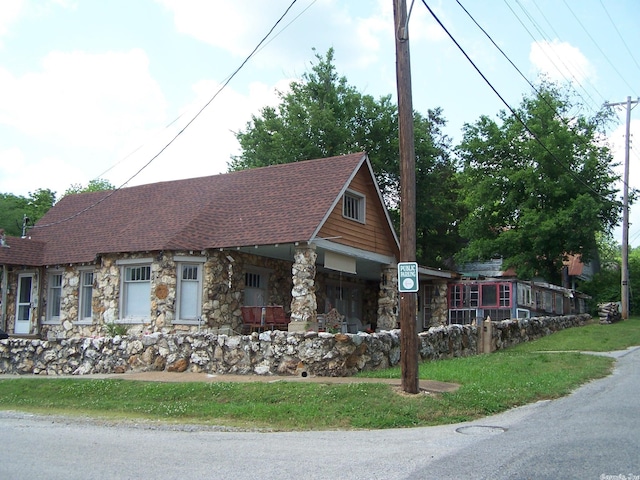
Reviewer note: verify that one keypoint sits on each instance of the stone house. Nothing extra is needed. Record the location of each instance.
(187, 255)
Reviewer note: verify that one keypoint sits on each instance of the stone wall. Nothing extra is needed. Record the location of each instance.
(322, 354)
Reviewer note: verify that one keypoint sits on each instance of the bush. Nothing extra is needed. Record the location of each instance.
(114, 329)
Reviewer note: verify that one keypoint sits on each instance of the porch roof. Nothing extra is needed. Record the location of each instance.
(21, 251)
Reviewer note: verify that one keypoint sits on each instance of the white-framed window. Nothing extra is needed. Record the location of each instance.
(505, 295)
(189, 291)
(85, 294)
(353, 206)
(135, 289)
(524, 295)
(54, 296)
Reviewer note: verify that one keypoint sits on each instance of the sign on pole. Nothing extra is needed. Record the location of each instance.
(407, 277)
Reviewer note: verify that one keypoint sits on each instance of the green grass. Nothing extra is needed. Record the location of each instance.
(488, 384)
(593, 337)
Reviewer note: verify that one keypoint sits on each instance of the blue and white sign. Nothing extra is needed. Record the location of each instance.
(407, 277)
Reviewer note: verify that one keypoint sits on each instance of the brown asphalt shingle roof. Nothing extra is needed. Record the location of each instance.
(261, 206)
(22, 251)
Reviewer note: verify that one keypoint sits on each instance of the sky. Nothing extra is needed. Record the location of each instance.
(132, 91)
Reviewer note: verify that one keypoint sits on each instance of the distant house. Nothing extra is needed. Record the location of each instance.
(484, 289)
(188, 255)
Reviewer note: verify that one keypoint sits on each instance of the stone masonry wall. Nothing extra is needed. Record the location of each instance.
(267, 353)
(223, 287)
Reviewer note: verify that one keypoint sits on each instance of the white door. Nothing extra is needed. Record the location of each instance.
(23, 304)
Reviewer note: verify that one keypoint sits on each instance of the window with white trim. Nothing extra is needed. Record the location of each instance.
(524, 295)
(54, 296)
(136, 292)
(505, 294)
(85, 308)
(189, 294)
(353, 206)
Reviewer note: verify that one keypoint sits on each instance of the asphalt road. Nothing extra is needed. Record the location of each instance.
(593, 433)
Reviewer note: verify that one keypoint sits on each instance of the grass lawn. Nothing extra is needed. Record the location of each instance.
(489, 384)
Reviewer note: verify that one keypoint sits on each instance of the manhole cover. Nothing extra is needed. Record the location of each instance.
(480, 430)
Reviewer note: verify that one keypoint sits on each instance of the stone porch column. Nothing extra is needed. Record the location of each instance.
(304, 308)
(388, 299)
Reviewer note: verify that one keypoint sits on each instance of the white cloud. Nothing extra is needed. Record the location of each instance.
(560, 61)
(80, 99)
(233, 26)
(205, 146)
(20, 178)
(9, 13)
(357, 33)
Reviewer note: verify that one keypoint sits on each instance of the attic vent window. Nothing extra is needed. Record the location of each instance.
(353, 206)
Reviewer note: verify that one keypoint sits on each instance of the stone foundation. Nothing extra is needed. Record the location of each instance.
(267, 353)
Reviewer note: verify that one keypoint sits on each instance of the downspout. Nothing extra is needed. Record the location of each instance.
(40, 277)
(5, 282)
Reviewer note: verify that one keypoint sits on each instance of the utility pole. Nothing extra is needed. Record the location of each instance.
(408, 301)
(624, 281)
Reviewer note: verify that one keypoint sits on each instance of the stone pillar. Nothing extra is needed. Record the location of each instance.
(304, 308)
(388, 299)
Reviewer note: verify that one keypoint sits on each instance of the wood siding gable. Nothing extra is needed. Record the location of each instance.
(376, 233)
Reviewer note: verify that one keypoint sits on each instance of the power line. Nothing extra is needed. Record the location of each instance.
(620, 35)
(513, 112)
(560, 117)
(226, 79)
(181, 131)
(598, 46)
(548, 41)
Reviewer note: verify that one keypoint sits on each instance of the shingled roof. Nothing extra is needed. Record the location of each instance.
(276, 204)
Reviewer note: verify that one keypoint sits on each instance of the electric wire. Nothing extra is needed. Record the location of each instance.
(265, 44)
(620, 35)
(513, 112)
(560, 117)
(545, 51)
(598, 46)
(175, 137)
(574, 66)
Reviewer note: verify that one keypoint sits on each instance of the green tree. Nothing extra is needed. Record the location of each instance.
(322, 115)
(12, 210)
(39, 203)
(96, 185)
(538, 193)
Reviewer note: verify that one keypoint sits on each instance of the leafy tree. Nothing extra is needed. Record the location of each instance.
(12, 209)
(539, 192)
(322, 115)
(39, 203)
(605, 285)
(96, 185)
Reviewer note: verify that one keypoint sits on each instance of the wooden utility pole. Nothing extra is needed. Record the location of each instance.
(624, 270)
(408, 301)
